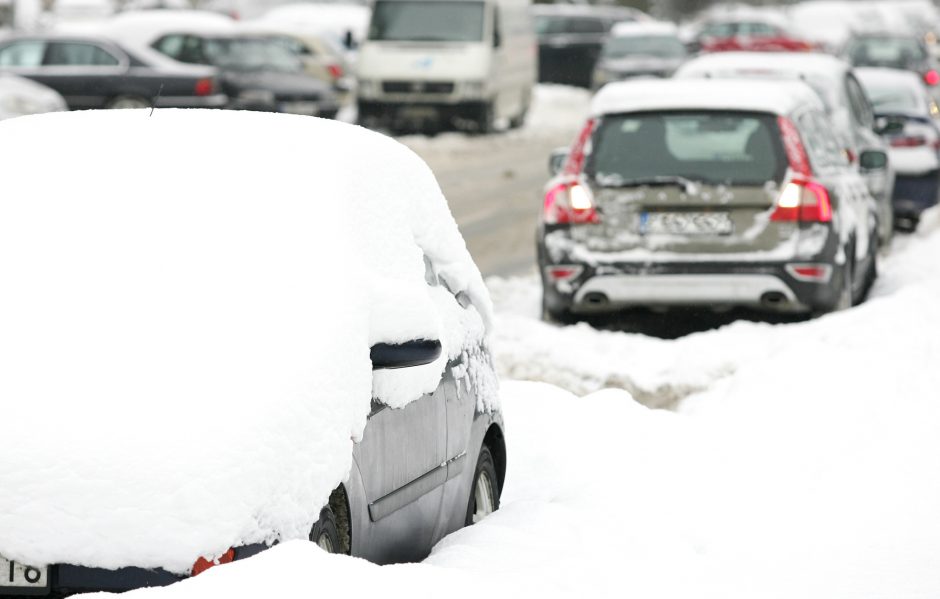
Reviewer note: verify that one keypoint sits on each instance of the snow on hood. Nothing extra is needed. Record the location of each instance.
(189, 300)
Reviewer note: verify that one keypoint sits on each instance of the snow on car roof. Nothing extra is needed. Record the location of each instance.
(189, 301)
(631, 28)
(143, 27)
(777, 97)
(725, 64)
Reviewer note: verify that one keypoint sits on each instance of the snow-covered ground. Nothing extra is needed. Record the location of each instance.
(802, 462)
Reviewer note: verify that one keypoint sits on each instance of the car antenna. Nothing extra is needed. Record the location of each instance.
(153, 104)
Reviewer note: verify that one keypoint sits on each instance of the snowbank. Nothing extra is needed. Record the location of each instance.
(186, 326)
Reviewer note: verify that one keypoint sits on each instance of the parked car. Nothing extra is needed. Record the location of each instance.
(845, 101)
(904, 52)
(705, 193)
(322, 58)
(642, 49)
(93, 72)
(438, 63)
(228, 397)
(570, 38)
(907, 115)
(20, 96)
(749, 35)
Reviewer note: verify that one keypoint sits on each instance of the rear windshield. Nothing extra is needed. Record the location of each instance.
(396, 20)
(659, 46)
(891, 52)
(887, 99)
(711, 147)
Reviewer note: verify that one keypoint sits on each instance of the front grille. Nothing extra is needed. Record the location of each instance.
(418, 87)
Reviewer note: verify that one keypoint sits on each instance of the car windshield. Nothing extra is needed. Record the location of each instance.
(427, 21)
(889, 99)
(251, 54)
(712, 147)
(892, 52)
(663, 46)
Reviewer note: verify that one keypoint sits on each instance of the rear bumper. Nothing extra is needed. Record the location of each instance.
(687, 289)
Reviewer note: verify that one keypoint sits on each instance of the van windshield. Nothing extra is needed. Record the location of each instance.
(710, 147)
(427, 21)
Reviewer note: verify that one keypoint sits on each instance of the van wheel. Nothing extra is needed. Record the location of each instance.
(484, 494)
(519, 120)
(325, 534)
(485, 118)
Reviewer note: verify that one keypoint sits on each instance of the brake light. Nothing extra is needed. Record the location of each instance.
(569, 203)
(810, 273)
(579, 150)
(564, 272)
(335, 71)
(793, 145)
(932, 77)
(205, 87)
(913, 141)
(803, 201)
(202, 564)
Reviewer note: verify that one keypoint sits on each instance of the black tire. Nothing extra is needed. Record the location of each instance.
(485, 118)
(846, 297)
(484, 492)
(325, 533)
(871, 273)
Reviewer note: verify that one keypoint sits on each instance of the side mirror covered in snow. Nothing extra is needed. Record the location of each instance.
(872, 160)
(556, 161)
(404, 355)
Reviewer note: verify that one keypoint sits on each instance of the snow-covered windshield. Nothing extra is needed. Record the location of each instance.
(660, 46)
(251, 54)
(427, 21)
(714, 147)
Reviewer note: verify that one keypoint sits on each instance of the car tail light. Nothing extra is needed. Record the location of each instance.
(202, 564)
(205, 87)
(932, 77)
(335, 71)
(563, 272)
(803, 201)
(911, 141)
(793, 144)
(569, 203)
(810, 273)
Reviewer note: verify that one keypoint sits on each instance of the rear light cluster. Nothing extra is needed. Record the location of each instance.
(335, 71)
(571, 202)
(564, 272)
(932, 77)
(911, 141)
(810, 273)
(802, 199)
(205, 87)
(202, 564)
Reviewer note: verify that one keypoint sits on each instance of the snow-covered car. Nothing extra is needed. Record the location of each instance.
(639, 49)
(20, 96)
(748, 35)
(893, 51)
(908, 117)
(295, 352)
(710, 193)
(843, 97)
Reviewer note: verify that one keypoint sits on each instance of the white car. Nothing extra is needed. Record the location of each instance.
(20, 96)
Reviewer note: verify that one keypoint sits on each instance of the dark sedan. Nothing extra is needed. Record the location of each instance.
(258, 72)
(92, 72)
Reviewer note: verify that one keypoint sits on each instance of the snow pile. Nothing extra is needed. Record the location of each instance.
(186, 326)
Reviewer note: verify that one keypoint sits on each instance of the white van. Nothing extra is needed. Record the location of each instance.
(439, 63)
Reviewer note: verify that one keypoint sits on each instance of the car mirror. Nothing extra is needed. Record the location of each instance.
(405, 355)
(556, 161)
(889, 125)
(871, 160)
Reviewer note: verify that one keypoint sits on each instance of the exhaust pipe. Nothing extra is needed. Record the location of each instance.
(774, 299)
(596, 299)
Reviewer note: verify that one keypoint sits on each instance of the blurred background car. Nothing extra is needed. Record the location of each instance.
(907, 115)
(893, 51)
(639, 49)
(843, 97)
(93, 72)
(20, 96)
(748, 33)
(714, 193)
(321, 58)
(570, 39)
(431, 64)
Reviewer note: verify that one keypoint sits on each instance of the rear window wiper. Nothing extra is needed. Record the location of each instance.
(686, 184)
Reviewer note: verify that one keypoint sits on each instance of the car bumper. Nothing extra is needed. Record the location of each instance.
(213, 101)
(422, 110)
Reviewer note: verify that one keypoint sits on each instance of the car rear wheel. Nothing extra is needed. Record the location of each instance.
(484, 494)
(129, 102)
(325, 534)
(846, 293)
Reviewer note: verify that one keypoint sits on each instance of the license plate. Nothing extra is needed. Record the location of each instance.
(14, 575)
(308, 108)
(686, 223)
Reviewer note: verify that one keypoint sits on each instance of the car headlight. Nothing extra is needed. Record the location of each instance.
(16, 104)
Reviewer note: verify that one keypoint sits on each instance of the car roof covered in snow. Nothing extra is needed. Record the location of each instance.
(777, 97)
(790, 64)
(632, 28)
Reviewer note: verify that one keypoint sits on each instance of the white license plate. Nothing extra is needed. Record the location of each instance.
(308, 108)
(14, 575)
(686, 223)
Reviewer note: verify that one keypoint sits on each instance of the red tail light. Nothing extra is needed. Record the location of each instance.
(569, 203)
(335, 71)
(205, 87)
(202, 564)
(812, 273)
(803, 201)
(793, 144)
(914, 141)
(565, 272)
(932, 77)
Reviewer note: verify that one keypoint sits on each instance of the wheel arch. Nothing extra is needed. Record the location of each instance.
(339, 504)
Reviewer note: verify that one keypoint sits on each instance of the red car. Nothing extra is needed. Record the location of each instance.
(749, 36)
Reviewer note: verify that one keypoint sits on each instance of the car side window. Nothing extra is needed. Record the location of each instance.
(78, 54)
(859, 102)
(27, 53)
(820, 140)
(191, 51)
(171, 45)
